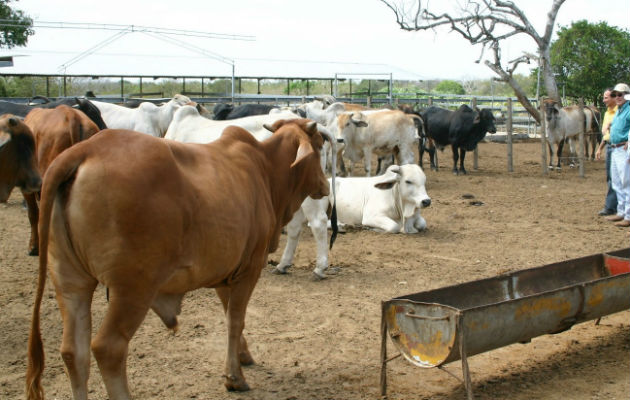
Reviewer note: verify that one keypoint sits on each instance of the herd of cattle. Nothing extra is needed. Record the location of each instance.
(216, 194)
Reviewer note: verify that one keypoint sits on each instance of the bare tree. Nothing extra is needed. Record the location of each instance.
(487, 23)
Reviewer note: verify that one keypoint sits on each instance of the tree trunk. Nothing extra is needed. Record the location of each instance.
(518, 91)
(548, 78)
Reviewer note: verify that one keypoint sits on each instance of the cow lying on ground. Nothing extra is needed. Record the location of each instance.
(54, 131)
(224, 111)
(390, 202)
(210, 215)
(565, 124)
(146, 118)
(84, 105)
(18, 162)
(462, 129)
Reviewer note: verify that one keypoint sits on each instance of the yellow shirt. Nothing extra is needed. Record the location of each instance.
(608, 117)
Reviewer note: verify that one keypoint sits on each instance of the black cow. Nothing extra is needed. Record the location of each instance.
(228, 111)
(462, 129)
(86, 106)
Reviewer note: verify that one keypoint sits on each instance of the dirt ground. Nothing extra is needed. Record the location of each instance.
(321, 340)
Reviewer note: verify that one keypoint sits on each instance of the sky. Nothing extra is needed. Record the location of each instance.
(323, 37)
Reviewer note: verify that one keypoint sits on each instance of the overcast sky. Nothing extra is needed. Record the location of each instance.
(317, 32)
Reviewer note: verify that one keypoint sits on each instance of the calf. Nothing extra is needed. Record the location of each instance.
(210, 215)
(18, 163)
(54, 130)
(462, 129)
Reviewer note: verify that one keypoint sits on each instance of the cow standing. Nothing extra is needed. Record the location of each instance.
(564, 124)
(54, 130)
(84, 105)
(199, 215)
(18, 163)
(227, 111)
(462, 129)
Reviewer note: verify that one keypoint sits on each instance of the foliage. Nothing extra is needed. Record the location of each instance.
(15, 26)
(451, 87)
(588, 57)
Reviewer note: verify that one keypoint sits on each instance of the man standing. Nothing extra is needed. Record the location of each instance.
(620, 167)
(610, 204)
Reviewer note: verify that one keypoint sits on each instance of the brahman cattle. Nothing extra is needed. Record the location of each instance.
(146, 118)
(382, 132)
(54, 130)
(462, 129)
(86, 106)
(224, 111)
(18, 163)
(390, 202)
(209, 216)
(188, 126)
(564, 124)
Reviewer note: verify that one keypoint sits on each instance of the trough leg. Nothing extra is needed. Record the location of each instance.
(383, 351)
(462, 352)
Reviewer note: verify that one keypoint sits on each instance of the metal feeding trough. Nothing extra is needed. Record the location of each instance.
(455, 322)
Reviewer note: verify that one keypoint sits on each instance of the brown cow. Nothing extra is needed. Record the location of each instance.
(55, 130)
(209, 216)
(18, 165)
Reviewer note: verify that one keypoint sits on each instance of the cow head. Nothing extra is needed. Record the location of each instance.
(91, 111)
(306, 166)
(18, 162)
(487, 120)
(411, 194)
(552, 112)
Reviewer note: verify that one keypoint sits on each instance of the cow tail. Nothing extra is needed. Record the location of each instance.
(56, 175)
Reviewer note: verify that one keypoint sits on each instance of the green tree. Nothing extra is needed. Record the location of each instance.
(589, 57)
(450, 87)
(15, 26)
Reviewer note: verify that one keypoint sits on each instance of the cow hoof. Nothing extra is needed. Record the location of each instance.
(33, 252)
(234, 384)
(280, 271)
(316, 277)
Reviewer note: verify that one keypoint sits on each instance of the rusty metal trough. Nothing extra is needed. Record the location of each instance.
(452, 323)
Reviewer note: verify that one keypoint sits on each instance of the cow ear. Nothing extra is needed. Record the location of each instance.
(4, 138)
(477, 118)
(311, 128)
(391, 177)
(269, 128)
(303, 151)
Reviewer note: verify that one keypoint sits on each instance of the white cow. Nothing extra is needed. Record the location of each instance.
(190, 127)
(390, 202)
(383, 133)
(146, 118)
